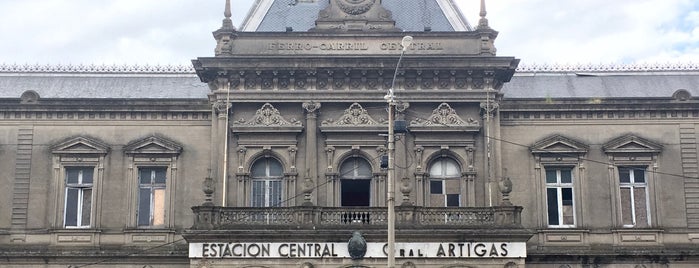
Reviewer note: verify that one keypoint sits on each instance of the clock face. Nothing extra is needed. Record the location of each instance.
(355, 7)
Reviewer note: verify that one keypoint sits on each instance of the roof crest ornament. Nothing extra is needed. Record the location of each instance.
(355, 15)
(226, 34)
(483, 22)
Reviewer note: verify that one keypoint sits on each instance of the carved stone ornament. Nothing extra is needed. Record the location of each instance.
(268, 116)
(355, 115)
(356, 246)
(355, 7)
(444, 115)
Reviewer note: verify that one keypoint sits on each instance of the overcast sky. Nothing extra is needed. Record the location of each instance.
(175, 31)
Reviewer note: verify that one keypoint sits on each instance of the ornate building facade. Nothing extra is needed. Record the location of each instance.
(273, 152)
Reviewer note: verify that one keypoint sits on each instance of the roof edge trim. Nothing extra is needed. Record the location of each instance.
(257, 13)
(456, 18)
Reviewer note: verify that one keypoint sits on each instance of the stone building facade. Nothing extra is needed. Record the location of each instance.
(272, 152)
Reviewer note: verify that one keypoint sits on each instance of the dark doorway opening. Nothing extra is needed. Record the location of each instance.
(355, 193)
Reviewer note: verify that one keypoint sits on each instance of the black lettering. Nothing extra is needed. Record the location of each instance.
(302, 250)
(385, 249)
(493, 251)
(256, 251)
(401, 252)
(419, 253)
(452, 247)
(242, 251)
(332, 246)
(227, 251)
(480, 250)
(326, 251)
(503, 250)
(265, 250)
(317, 250)
(205, 250)
(283, 253)
(461, 249)
(440, 251)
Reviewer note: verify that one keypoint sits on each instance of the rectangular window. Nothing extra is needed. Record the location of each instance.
(151, 196)
(78, 197)
(266, 193)
(634, 198)
(559, 197)
(445, 193)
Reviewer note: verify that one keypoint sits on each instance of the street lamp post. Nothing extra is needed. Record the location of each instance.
(391, 200)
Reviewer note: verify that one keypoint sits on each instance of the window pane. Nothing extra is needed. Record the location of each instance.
(639, 175)
(258, 193)
(567, 206)
(144, 207)
(86, 207)
(275, 192)
(624, 176)
(566, 176)
(626, 217)
(275, 168)
(437, 200)
(259, 169)
(363, 168)
(551, 176)
(436, 186)
(436, 170)
(552, 204)
(451, 168)
(452, 186)
(160, 175)
(158, 207)
(452, 200)
(639, 198)
(144, 175)
(87, 175)
(72, 175)
(71, 212)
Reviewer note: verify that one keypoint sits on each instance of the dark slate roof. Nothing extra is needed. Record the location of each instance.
(410, 15)
(601, 85)
(129, 86)
(180, 82)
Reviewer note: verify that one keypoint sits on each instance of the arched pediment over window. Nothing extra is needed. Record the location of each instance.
(80, 145)
(153, 145)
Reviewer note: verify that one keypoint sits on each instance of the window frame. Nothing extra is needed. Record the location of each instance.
(78, 151)
(267, 181)
(80, 205)
(443, 178)
(559, 186)
(631, 185)
(152, 152)
(152, 186)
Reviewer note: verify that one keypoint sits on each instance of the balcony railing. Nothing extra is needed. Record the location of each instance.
(221, 218)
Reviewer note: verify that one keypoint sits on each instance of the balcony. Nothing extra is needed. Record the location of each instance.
(410, 217)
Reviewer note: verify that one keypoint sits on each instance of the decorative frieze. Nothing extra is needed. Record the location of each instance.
(514, 116)
(104, 116)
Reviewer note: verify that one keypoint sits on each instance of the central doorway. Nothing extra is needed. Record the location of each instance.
(355, 193)
(355, 183)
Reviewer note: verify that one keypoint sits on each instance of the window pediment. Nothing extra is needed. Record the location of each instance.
(354, 119)
(558, 144)
(153, 145)
(267, 119)
(80, 145)
(631, 144)
(444, 118)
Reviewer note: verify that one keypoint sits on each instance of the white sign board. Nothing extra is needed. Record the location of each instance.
(225, 250)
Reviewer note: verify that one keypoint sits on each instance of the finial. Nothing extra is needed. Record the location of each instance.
(483, 22)
(227, 13)
(227, 22)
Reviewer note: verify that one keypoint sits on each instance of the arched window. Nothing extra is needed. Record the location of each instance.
(266, 174)
(445, 187)
(355, 177)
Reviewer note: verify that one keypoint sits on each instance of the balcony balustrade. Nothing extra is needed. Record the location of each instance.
(222, 218)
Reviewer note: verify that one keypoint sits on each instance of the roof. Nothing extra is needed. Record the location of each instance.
(300, 15)
(181, 82)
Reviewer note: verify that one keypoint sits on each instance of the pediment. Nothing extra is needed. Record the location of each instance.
(631, 144)
(558, 144)
(354, 119)
(267, 119)
(80, 145)
(444, 118)
(153, 145)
